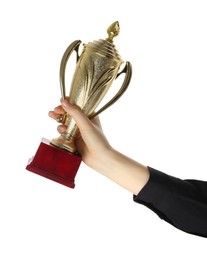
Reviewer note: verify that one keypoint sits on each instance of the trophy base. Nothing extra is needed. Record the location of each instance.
(55, 164)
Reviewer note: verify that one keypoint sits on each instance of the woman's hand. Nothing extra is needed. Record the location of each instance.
(98, 154)
(91, 143)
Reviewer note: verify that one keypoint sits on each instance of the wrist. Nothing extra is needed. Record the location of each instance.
(102, 160)
(121, 169)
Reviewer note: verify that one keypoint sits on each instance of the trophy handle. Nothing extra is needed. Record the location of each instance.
(128, 74)
(74, 46)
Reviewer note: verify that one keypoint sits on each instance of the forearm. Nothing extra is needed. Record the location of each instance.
(124, 171)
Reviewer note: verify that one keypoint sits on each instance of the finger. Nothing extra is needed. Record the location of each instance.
(62, 128)
(59, 110)
(53, 115)
(60, 118)
(80, 118)
(66, 98)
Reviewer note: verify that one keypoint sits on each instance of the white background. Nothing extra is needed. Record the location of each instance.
(160, 121)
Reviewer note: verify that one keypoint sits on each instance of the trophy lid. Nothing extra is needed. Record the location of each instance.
(106, 47)
(113, 30)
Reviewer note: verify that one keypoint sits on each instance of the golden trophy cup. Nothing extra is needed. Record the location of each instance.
(96, 69)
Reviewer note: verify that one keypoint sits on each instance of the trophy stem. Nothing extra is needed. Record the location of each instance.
(66, 140)
(65, 143)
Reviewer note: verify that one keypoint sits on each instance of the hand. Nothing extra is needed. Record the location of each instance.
(98, 154)
(91, 143)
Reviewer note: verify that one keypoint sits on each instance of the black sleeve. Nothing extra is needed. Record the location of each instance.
(182, 203)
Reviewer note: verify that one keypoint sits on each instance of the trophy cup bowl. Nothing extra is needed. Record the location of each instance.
(96, 69)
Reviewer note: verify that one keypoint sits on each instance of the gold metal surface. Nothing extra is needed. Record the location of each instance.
(96, 69)
(62, 118)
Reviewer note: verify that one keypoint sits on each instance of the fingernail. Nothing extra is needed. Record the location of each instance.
(65, 103)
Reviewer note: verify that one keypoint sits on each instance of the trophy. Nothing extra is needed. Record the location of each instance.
(97, 67)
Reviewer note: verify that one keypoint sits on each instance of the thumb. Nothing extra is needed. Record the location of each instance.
(82, 121)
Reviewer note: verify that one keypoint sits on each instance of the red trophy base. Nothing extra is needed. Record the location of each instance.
(55, 164)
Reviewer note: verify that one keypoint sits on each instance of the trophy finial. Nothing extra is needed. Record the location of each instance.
(113, 31)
